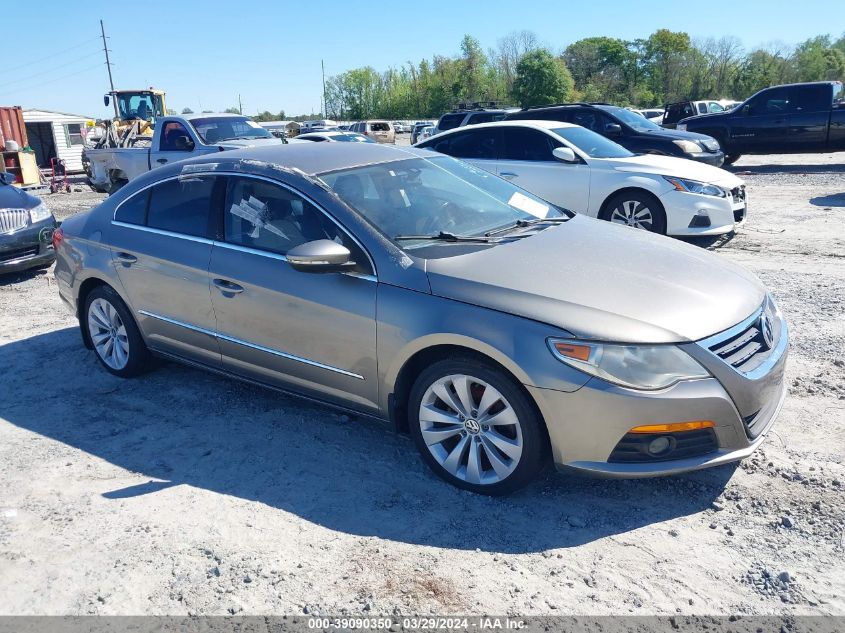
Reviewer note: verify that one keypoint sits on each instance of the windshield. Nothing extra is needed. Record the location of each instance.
(633, 119)
(592, 144)
(216, 129)
(421, 196)
(144, 106)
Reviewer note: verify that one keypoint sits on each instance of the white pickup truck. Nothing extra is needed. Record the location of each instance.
(175, 138)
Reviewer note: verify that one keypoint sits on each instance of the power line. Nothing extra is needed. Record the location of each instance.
(49, 81)
(42, 59)
(50, 70)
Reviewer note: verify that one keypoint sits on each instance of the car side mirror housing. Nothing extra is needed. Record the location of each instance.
(564, 155)
(183, 143)
(7, 178)
(613, 130)
(320, 256)
(105, 100)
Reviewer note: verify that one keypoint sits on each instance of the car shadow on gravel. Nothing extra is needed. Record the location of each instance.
(740, 170)
(9, 279)
(179, 426)
(833, 200)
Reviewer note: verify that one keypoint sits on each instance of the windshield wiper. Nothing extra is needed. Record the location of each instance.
(519, 224)
(445, 236)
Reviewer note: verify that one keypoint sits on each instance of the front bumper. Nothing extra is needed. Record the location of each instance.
(690, 214)
(708, 158)
(29, 247)
(585, 426)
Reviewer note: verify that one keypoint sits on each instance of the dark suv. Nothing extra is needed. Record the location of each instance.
(631, 130)
(471, 114)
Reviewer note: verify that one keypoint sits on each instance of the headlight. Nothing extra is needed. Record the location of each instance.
(634, 366)
(39, 213)
(689, 147)
(682, 127)
(694, 186)
(711, 144)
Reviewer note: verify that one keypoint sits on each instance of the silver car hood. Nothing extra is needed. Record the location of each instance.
(603, 281)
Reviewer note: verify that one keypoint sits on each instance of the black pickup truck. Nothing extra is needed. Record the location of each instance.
(790, 119)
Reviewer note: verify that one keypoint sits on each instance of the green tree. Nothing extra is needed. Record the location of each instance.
(187, 111)
(665, 56)
(541, 78)
(232, 110)
(598, 65)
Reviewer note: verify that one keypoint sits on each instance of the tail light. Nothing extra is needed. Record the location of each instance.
(58, 236)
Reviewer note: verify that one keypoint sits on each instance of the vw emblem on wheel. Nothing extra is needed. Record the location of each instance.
(766, 330)
(472, 427)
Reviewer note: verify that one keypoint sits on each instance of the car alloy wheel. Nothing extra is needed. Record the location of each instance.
(108, 334)
(471, 429)
(633, 213)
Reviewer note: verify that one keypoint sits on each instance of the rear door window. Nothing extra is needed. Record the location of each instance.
(450, 121)
(182, 205)
(527, 144)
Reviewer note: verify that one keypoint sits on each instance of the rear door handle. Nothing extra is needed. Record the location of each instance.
(161, 161)
(126, 258)
(227, 287)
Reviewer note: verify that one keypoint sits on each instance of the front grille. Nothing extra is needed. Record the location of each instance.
(746, 347)
(738, 193)
(633, 448)
(8, 256)
(13, 219)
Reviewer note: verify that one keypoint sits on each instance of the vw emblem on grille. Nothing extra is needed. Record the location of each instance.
(766, 330)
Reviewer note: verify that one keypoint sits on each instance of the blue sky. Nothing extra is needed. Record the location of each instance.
(205, 53)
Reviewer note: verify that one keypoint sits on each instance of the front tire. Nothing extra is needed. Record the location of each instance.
(730, 159)
(475, 427)
(637, 209)
(113, 333)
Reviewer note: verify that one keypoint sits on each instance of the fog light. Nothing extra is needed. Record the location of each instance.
(659, 445)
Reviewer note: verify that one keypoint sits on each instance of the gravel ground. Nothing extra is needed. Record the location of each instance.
(183, 493)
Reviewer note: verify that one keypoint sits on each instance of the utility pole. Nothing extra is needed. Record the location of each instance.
(108, 66)
(240, 105)
(323, 67)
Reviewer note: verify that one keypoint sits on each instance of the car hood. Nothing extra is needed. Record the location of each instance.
(676, 135)
(603, 281)
(12, 197)
(676, 167)
(255, 142)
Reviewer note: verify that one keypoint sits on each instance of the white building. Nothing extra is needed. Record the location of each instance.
(56, 135)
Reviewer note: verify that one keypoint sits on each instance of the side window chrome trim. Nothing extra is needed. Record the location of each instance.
(149, 229)
(269, 350)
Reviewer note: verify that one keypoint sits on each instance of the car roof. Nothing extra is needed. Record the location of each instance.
(533, 123)
(316, 158)
(212, 115)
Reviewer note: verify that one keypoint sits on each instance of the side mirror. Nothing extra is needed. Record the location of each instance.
(7, 178)
(183, 143)
(105, 100)
(613, 130)
(564, 155)
(320, 256)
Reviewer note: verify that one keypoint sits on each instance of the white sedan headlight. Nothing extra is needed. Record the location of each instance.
(39, 213)
(689, 147)
(694, 186)
(645, 367)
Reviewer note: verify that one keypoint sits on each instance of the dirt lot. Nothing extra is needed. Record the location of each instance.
(182, 492)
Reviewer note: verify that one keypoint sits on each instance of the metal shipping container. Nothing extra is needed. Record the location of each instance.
(12, 126)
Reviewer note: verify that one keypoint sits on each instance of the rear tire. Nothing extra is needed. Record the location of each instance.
(484, 434)
(730, 159)
(637, 209)
(114, 334)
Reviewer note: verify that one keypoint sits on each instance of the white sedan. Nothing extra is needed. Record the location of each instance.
(575, 168)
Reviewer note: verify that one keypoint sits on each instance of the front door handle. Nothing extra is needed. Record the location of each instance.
(161, 161)
(227, 287)
(508, 174)
(126, 258)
